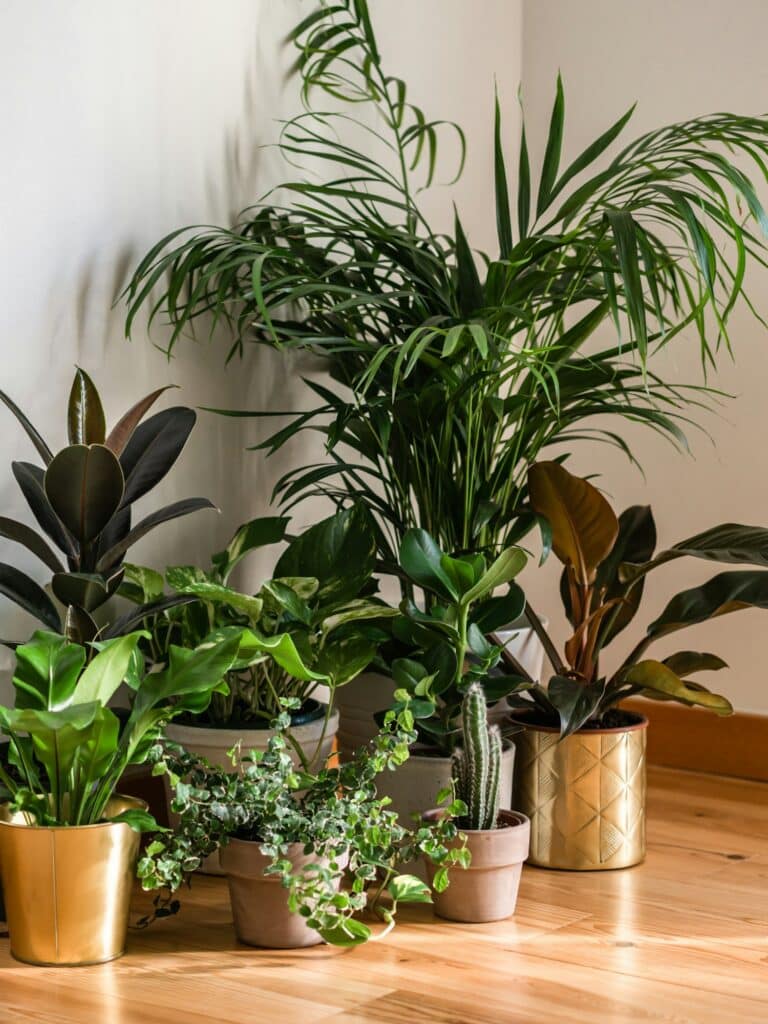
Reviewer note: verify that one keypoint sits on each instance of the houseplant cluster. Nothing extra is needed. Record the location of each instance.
(451, 376)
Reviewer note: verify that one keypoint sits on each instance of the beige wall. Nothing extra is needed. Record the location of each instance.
(678, 58)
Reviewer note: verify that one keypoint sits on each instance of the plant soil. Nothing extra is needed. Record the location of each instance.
(614, 718)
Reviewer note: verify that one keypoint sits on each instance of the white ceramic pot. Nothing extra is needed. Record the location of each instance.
(213, 744)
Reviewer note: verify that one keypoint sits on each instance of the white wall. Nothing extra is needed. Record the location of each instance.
(121, 122)
(678, 58)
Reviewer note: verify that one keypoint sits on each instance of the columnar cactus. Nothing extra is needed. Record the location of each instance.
(477, 766)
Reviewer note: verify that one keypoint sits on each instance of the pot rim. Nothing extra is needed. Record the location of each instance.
(519, 717)
(417, 751)
(519, 819)
(135, 801)
(242, 731)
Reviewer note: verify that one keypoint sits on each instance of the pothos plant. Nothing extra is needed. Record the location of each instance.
(606, 560)
(335, 813)
(82, 499)
(317, 621)
(68, 749)
(450, 637)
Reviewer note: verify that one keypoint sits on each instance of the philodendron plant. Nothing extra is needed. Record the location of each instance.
(68, 749)
(448, 636)
(335, 813)
(82, 498)
(606, 559)
(314, 622)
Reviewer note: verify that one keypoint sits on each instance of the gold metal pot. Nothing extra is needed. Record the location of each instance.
(585, 795)
(68, 888)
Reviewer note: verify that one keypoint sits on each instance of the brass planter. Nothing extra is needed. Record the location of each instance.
(68, 888)
(585, 795)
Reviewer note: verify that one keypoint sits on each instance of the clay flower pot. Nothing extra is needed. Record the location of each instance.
(259, 901)
(487, 889)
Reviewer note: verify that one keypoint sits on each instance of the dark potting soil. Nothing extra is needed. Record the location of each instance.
(614, 718)
(311, 711)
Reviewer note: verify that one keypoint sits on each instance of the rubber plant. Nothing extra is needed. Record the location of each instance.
(452, 369)
(82, 498)
(605, 563)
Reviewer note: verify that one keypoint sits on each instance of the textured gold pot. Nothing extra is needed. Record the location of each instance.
(68, 888)
(585, 795)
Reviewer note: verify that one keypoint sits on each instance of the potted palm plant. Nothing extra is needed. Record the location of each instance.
(82, 499)
(449, 374)
(68, 840)
(581, 757)
(497, 840)
(289, 837)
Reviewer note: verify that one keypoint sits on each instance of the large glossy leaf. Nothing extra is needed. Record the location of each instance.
(84, 485)
(683, 663)
(47, 670)
(344, 658)
(26, 536)
(730, 543)
(281, 648)
(108, 669)
(135, 618)
(24, 592)
(163, 515)
(575, 701)
(510, 562)
(636, 541)
(584, 526)
(79, 627)
(255, 534)
(147, 584)
(359, 610)
(724, 593)
(85, 590)
(339, 551)
(30, 479)
(420, 558)
(121, 433)
(57, 736)
(498, 612)
(43, 450)
(658, 680)
(85, 414)
(185, 580)
(153, 449)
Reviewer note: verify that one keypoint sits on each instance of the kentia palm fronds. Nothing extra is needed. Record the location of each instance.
(460, 376)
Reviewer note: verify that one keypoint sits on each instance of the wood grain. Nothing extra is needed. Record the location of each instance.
(698, 741)
(682, 938)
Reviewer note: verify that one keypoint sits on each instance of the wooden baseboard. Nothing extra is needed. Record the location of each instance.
(697, 740)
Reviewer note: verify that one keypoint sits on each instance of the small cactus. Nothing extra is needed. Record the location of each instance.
(477, 766)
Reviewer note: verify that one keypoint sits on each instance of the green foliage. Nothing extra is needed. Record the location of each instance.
(315, 622)
(606, 561)
(81, 498)
(465, 366)
(446, 638)
(67, 747)
(335, 813)
(476, 767)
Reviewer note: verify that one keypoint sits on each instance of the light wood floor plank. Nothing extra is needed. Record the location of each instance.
(682, 939)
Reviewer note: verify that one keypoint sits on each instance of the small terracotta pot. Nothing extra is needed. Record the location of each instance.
(259, 901)
(487, 889)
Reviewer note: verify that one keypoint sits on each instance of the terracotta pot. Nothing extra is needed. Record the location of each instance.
(214, 743)
(371, 692)
(487, 889)
(68, 888)
(585, 795)
(259, 901)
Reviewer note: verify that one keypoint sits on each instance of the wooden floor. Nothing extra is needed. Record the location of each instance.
(682, 938)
